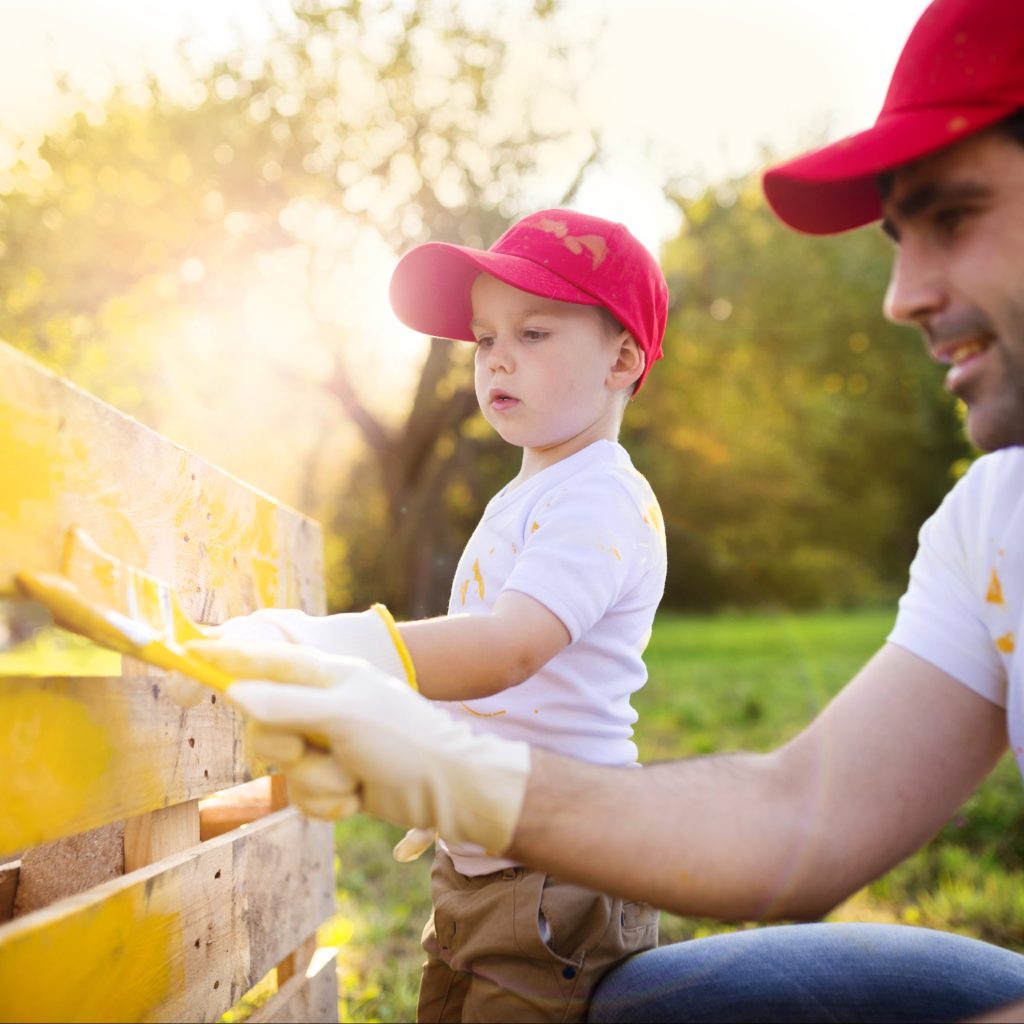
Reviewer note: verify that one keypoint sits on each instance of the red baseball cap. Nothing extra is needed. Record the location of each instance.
(961, 70)
(560, 254)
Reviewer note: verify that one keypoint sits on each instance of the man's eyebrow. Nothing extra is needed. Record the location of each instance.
(930, 194)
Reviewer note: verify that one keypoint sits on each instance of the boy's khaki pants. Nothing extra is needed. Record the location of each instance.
(487, 959)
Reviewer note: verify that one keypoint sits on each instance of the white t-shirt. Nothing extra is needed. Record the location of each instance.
(964, 608)
(585, 538)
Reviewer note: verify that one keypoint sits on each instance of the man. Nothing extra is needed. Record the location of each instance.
(789, 834)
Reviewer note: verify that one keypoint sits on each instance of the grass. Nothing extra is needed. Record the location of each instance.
(716, 684)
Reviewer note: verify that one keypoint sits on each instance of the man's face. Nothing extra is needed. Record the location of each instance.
(957, 219)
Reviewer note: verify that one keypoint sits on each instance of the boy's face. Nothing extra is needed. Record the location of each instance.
(543, 369)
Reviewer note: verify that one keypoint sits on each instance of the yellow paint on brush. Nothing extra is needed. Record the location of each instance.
(116, 960)
(1006, 643)
(115, 630)
(994, 595)
(70, 754)
(478, 578)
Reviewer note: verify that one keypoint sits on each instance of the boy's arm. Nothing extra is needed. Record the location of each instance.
(463, 657)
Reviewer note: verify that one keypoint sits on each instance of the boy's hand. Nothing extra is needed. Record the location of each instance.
(371, 635)
(391, 753)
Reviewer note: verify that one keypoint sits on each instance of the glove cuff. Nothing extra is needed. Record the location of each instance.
(404, 657)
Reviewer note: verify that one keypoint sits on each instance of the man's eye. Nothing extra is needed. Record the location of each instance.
(950, 218)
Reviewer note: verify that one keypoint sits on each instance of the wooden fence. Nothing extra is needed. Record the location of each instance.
(131, 888)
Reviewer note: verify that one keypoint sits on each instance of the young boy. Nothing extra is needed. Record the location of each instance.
(554, 596)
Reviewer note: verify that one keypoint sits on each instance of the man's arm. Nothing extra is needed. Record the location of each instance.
(782, 835)
(461, 657)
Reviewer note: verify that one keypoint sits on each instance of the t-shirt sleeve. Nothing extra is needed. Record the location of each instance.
(586, 546)
(941, 616)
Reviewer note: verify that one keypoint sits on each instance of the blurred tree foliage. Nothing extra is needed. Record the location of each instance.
(797, 440)
(130, 238)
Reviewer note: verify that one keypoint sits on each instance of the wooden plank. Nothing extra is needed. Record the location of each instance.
(53, 871)
(68, 459)
(312, 996)
(151, 837)
(182, 939)
(231, 808)
(8, 888)
(79, 753)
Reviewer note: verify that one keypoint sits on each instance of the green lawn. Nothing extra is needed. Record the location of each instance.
(717, 684)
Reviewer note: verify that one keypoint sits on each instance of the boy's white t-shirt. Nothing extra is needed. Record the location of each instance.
(585, 538)
(964, 608)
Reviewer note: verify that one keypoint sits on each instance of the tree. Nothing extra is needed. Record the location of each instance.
(134, 233)
(797, 440)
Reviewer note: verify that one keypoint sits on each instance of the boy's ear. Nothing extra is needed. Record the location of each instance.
(629, 364)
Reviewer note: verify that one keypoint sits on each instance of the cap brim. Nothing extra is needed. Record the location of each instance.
(835, 188)
(430, 288)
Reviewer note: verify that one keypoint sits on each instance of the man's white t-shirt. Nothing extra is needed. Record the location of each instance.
(964, 608)
(585, 538)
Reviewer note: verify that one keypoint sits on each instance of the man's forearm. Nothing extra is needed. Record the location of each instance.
(711, 836)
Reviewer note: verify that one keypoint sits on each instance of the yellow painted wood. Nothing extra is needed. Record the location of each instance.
(79, 753)
(180, 940)
(67, 459)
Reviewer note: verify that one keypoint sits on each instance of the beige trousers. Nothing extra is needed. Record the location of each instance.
(519, 945)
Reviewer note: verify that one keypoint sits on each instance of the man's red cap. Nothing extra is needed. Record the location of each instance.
(961, 70)
(559, 254)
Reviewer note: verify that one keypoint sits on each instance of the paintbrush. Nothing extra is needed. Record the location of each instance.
(88, 599)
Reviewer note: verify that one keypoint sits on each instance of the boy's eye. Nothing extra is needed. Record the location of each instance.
(484, 341)
(534, 334)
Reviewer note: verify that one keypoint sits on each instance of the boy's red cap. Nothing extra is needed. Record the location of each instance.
(560, 254)
(961, 70)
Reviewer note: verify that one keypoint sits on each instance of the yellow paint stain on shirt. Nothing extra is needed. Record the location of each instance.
(463, 587)
(478, 578)
(140, 951)
(615, 552)
(654, 518)
(535, 527)
(1005, 643)
(995, 590)
(482, 714)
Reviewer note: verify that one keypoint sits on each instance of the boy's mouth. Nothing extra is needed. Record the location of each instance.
(501, 400)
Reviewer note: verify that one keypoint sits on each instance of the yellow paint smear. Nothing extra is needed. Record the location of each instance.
(478, 578)
(654, 518)
(112, 961)
(1006, 643)
(70, 755)
(463, 587)
(482, 714)
(994, 595)
(535, 527)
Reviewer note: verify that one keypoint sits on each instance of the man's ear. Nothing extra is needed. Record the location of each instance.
(629, 364)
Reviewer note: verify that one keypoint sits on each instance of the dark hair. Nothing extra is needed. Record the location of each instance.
(1013, 126)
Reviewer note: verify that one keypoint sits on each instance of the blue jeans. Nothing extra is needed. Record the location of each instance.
(813, 972)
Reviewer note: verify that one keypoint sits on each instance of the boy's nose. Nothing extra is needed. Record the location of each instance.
(917, 286)
(499, 356)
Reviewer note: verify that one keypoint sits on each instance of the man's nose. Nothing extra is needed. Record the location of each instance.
(917, 287)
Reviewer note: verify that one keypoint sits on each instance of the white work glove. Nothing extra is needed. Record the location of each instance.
(371, 635)
(349, 737)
